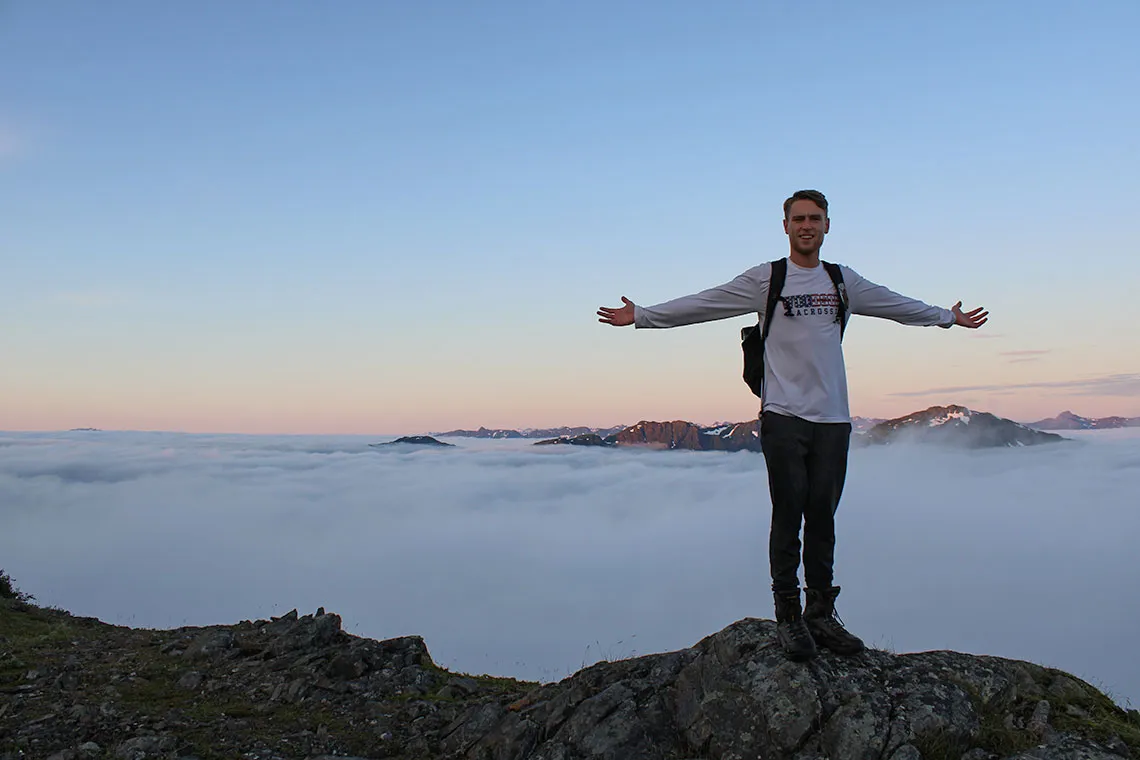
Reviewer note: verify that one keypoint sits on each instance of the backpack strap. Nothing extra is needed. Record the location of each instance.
(836, 275)
(775, 287)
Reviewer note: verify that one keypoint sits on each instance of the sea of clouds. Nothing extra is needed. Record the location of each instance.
(511, 559)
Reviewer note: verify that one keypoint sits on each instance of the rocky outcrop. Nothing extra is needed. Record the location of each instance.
(956, 426)
(734, 695)
(300, 687)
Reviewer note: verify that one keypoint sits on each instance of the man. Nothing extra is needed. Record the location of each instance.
(805, 422)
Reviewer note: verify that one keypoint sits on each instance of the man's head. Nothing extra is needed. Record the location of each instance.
(805, 221)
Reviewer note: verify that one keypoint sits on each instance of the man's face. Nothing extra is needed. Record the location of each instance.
(806, 225)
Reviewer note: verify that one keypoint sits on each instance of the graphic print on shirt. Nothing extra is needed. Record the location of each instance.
(811, 304)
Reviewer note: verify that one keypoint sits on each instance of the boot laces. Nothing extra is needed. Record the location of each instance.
(798, 630)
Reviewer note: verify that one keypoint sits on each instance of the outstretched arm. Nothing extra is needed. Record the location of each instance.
(743, 294)
(874, 300)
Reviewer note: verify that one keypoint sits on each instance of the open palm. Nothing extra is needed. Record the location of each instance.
(972, 319)
(619, 317)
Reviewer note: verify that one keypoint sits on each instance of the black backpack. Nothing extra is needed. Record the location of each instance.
(752, 337)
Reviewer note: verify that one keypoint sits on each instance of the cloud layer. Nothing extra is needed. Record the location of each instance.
(533, 562)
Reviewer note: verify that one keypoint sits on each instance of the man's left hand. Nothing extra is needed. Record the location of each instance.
(972, 319)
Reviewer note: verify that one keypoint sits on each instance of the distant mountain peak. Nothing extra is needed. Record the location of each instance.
(1067, 420)
(959, 426)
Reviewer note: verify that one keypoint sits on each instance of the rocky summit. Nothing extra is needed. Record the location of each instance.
(298, 686)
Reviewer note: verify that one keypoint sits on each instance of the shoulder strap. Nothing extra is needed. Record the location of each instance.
(775, 287)
(836, 275)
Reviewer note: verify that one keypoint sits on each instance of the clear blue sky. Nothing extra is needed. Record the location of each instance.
(395, 216)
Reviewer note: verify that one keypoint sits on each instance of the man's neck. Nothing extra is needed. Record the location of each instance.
(805, 260)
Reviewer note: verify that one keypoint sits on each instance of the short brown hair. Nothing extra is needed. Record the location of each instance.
(814, 196)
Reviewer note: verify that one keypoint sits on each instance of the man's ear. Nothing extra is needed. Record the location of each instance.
(826, 225)
(785, 226)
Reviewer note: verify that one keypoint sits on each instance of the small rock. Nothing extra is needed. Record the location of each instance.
(210, 644)
(296, 690)
(1076, 712)
(191, 681)
(907, 752)
(1064, 689)
(1117, 746)
(68, 680)
(1039, 722)
(463, 685)
(90, 749)
(977, 753)
(143, 747)
(346, 667)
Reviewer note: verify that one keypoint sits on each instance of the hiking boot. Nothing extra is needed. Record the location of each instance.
(791, 632)
(824, 623)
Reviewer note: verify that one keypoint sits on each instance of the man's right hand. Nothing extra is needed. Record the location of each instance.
(617, 317)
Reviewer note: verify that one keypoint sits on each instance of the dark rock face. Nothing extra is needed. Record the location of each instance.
(482, 432)
(957, 426)
(678, 434)
(661, 435)
(419, 440)
(300, 687)
(586, 439)
(1068, 421)
(556, 432)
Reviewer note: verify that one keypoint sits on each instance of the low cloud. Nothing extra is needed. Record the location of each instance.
(532, 562)
(1037, 352)
(1124, 384)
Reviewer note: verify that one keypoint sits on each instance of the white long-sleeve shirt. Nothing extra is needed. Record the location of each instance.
(804, 373)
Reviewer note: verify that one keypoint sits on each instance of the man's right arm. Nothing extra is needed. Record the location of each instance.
(748, 292)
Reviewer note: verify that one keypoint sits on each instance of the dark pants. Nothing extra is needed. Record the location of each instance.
(807, 464)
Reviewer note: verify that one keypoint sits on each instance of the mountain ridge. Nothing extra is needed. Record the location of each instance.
(953, 425)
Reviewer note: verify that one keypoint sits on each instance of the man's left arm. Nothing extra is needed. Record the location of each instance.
(874, 300)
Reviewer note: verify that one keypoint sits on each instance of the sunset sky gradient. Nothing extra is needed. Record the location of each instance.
(400, 217)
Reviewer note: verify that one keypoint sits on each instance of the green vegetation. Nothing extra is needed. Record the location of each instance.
(8, 589)
(1090, 713)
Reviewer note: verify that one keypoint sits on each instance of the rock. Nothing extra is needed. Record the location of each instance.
(1039, 722)
(143, 747)
(1117, 745)
(1067, 748)
(191, 681)
(978, 754)
(1064, 690)
(209, 645)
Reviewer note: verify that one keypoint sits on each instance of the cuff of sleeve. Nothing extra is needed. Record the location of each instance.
(638, 317)
(951, 321)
